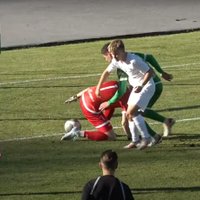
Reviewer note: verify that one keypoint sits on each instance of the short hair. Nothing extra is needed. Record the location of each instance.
(115, 46)
(104, 49)
(110, 159)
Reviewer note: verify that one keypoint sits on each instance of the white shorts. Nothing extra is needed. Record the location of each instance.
(142, 98)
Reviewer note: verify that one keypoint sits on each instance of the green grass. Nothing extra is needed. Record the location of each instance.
(34, 84)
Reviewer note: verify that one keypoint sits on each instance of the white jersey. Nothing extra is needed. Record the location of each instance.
(134, 67)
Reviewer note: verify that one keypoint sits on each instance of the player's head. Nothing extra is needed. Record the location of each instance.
(104, 51)
(117, 49)
(109, 160)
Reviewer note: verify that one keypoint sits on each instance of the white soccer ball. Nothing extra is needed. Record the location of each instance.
(72, 123)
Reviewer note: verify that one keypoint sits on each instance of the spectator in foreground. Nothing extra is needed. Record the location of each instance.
(107, 186)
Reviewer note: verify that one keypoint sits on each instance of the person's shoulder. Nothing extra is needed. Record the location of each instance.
(135, 56)
(112, 65)
(90, 182)
(131, 54)
(128, 192)
(132, 57)
(125, 185)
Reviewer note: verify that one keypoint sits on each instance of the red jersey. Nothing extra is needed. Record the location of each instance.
(91, 102)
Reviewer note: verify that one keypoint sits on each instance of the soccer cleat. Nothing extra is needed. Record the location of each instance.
(144, 143)
(168, 123)
(131, 145)
(152, 142)
(157, 139)
(71, 135)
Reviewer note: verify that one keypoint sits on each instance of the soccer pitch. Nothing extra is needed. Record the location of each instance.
(33, 87)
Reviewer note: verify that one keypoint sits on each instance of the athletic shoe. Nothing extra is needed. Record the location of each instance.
(155, 140)
(152, 142)
(158, 139)
(168, 123)
(71, 135)
(144, 143)
(132, 145)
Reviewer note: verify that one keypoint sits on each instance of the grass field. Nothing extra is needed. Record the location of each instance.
(34, 83)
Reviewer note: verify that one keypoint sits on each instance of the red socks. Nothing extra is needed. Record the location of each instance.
(95, 135)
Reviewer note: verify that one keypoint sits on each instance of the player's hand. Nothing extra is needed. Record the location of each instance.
(104, 105)
(166, 76)
(137, 89)
(71, 99)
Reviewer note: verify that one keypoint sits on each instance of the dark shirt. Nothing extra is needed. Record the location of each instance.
(107, 188)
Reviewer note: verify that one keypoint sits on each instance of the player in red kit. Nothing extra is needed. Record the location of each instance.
(89, 104)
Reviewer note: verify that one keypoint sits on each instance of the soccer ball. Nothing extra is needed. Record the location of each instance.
(72, 123)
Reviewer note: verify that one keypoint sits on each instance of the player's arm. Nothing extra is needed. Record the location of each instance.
(154, 63)
(104, 76)
(118, 94)
(151, 60)
(147, 77)
(75, 97)
(150, 73)
(122, 86)
(102, 79)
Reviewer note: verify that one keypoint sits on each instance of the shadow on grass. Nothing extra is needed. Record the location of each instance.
(171, 109)
(183, 137)
(179, 108)
(166, 189)
(134, 191)
(82, 118)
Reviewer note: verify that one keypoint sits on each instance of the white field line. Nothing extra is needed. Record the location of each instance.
(49, 79)
(58, 134)
(181, 65)
(81, 76)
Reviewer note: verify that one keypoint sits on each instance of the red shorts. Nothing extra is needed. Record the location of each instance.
(95, 117)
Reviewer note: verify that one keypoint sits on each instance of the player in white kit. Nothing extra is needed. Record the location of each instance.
(140, 78)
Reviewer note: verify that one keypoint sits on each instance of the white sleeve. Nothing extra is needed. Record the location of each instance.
(141, 65)
(112, 67)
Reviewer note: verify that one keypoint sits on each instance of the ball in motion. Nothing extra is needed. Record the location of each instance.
(72, 123)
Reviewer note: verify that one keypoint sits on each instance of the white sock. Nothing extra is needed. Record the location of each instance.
(82, 133)
(141, 126)
(134, 131)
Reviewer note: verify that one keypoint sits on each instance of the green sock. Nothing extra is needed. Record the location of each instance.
(151, 114)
